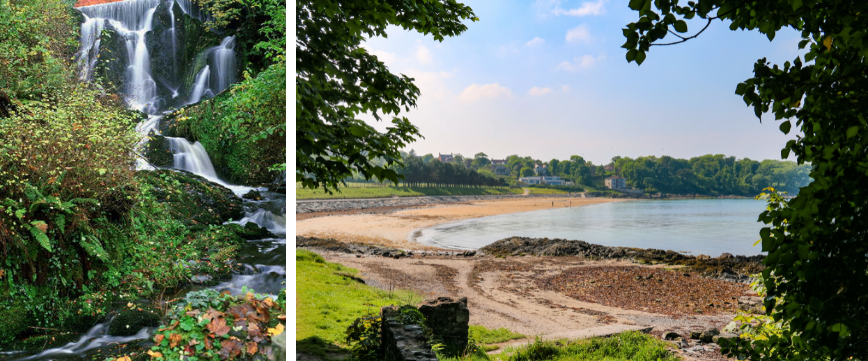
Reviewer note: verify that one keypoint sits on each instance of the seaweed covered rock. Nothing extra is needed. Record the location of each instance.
(129, 322)
(193, 199)
(250, 231)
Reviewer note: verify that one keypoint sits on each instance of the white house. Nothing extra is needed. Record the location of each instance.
(616, 182)
(550, 180)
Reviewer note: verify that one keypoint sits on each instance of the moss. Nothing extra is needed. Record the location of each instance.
(14, 322)
(157, 152)
(193, 199)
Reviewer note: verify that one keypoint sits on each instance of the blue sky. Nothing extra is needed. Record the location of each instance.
(548, 79)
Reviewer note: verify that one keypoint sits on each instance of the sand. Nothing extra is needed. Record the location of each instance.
(395, 229)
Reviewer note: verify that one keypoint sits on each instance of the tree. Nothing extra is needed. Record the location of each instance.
(527, 172)
(480, 155)
(577, 159)
(412, 153)
(427, 158)
(336, 79)
(816, 279)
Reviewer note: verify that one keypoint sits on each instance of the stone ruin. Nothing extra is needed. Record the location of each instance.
(446, 317)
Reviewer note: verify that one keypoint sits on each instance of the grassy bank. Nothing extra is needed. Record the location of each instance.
(329, 298)
(385, 192)
(626, 346)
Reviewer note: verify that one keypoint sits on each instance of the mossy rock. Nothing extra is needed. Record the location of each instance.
(158, 153)
(14, 322)
(193, 199)
(128, 323)
(250, 231)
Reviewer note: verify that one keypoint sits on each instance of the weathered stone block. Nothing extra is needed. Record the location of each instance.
(448, 319)
(402, 342)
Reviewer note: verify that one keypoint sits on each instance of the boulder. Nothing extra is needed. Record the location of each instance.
(253, 195)
(670, 335)
(129, 322)
(725, 256)
(191, 198)
(751, 304)
(695, 335)
(708, 335)
(448, 319)
(157, 152)
(400, 342)
(250, 231)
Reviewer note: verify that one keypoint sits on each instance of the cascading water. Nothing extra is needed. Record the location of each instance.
(134, 21)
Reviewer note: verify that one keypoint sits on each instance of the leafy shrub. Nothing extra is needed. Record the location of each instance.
(37, 41)
(209, 325)
(365, 337)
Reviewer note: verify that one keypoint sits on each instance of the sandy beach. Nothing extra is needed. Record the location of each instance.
(394, 229)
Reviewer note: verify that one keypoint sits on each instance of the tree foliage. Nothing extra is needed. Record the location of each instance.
(817, 275)
(416, 172)
(336, 79)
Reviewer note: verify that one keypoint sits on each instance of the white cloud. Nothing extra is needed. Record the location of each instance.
(583, 62)
(579, 33)
(383, 56)
(488, 91)
(565, 88)
(423, 55)
(508, 49)
(587, 8)
(537, 91)
(535, 42)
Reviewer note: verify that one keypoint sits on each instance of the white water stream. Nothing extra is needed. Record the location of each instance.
(134, 20)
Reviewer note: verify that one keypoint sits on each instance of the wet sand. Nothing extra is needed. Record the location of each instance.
(394, 229)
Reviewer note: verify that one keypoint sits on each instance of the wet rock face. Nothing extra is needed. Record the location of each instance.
(448, 318)
(128, 323)
(157, 152)
(403, 342)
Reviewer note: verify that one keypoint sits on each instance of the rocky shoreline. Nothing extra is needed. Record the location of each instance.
(726, 267)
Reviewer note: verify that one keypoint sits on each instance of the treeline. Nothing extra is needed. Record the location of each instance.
(418, 173)
(711, 174)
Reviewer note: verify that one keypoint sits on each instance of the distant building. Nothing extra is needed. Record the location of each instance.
(500, 169)
(444, 158)
(609, 168)
(498, 161)
(540, 169)
(616, 182)
(554, 181)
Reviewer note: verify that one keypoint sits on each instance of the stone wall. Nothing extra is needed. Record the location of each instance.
(403, 342)
(337, 205)
(448, 318)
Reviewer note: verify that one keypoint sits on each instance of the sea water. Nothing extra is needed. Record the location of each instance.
(695, 226)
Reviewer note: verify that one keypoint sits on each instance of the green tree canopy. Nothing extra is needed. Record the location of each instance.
(336, 79)
(816, 274)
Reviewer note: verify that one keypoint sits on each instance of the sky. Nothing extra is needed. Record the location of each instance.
(549, 79)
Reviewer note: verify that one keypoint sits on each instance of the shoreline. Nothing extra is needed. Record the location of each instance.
(394, 225)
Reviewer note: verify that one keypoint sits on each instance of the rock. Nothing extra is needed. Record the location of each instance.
(703, 257)
(201, 279)
(725, 256)
(448, 319)
(723, 336)
(193, 199)
(250, 231)
(156, 151)
(253, 195)
(402, 342)
(670, 335)
(695, 335)
(129, 322)
(732, 327)
(751, 304)
(707, 335)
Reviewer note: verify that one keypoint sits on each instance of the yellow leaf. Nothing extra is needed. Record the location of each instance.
(827, 42)
(154, 354)
(124, 358)
(276, 330)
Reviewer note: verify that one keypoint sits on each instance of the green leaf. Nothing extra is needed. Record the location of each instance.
(40, 236)
(741, 88)
(637, 4)
(852, 131)
(640, 57)
(785, 127)
(681, 26)
(796, 4)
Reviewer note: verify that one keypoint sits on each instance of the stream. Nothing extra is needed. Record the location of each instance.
(146, 38)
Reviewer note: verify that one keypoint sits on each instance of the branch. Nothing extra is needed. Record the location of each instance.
(688, 38)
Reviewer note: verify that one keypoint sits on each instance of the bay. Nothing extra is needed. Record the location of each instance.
(694, 226)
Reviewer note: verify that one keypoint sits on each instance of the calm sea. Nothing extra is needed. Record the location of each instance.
(696, 226)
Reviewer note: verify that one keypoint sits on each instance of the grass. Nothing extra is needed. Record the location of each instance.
(546, 191)
(385, 192)
(327, 302)
(622, 347)
(484, 336)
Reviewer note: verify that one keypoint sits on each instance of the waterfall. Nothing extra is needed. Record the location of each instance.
(224, 64)
(91, 30)
(191, 157)
(200, 85)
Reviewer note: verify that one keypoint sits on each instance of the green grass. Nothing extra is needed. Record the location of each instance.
(304, 193)
(326, 303)
(480, 334)
(622, 347)
(546, 191)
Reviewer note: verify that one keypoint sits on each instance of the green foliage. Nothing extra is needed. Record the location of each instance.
(243, 130)
(711, 174)
(36, 45)
(336, 79)
(383, 192)
(816, 264)
(417, 173)
(259, 27)
(209, 325)
(483, 335)
(364, 335)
